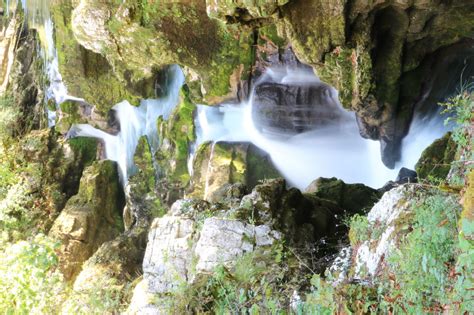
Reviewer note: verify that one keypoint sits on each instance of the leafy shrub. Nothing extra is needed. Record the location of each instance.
(29, 280)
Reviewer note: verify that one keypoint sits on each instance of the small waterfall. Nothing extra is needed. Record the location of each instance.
(134, 123)
(39, 18)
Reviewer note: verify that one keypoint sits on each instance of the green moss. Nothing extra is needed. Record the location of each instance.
(350, 72)
(270, 33)
(179, 131)
(435, 161)
(87, 75)
(86, 147)
(314, 28)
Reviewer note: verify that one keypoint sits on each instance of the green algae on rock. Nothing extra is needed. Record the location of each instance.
(435, 161)
(90, 218)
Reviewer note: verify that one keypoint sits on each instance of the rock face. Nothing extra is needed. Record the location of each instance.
(89, 218)
(389, 213)
(217, 164)
(195, 237)
(179, 252)
(217, 57)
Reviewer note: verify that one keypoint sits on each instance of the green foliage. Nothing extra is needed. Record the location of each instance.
(420, 265)
(461, 108)
(8, 117)
(255, 285)
(359, 229)
(102, 297)
(29, 280)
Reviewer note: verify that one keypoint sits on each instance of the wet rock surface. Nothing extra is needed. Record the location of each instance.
(294, 108)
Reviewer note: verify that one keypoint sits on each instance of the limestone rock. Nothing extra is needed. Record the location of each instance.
(89, 218)
(179, 252)
(140, 40)
(388, 213)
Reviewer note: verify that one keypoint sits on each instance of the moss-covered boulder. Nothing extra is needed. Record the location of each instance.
(177, 134)
(90, 218)
(352, 197)
(218, 164)
(138, 38)
(106, 279)
(88, 74)
(435, 161)
(143, 202)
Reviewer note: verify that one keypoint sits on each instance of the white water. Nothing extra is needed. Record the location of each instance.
(423, 131)
(336, 150)
(39, 18)
(134, 123)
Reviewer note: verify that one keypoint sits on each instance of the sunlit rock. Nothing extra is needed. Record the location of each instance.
(89, 218)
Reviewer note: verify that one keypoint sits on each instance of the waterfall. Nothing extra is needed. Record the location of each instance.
(134, 123)
(333, 149)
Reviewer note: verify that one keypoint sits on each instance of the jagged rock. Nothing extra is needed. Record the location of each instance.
(143, 203)
(404, 176)
(89, 218)
(300, 217)
(113, 266)
(435, 161)
(215, 62)
(351, 197)
(178, 252)
(217, 164)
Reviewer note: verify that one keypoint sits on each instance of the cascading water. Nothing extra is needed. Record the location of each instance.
(333, 148)
(39, 18)
(134, 123)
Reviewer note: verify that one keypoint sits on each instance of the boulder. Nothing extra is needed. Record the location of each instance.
(351, 197)
(107, 274)
(435, 161)
(221, 163)
(89, 218)
(183, 247)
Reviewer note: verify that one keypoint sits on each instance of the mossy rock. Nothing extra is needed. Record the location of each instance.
(435, 161)
(155, 34)
(353, 198)
(87, 74)
(222, 163)
(177, 136)
(90, 218)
